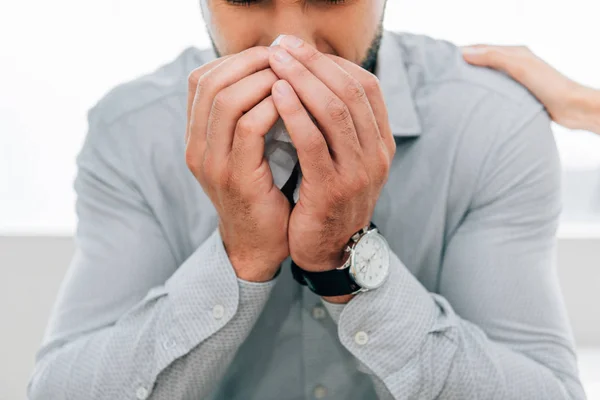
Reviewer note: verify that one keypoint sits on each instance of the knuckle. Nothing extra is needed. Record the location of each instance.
(354, 90)
(337, 110)
(381, 172)
(392, 151)
(315, 145)
(245, 128)
(192, 162)
(524, 49)
(383, 156)
(370, 83)
(208, 168)
(493, 53)
(296, 109)
(221, 101)
(313, 56)
(302, 73)
(258, 52)
(360, 181)
(194, 78)
(204, 83)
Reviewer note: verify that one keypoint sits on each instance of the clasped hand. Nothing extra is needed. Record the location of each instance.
(345, 156)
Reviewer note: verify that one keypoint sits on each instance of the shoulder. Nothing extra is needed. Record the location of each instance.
(142, 120)
(140, 125)
(475, 109)
(438, 65)
(498, 133)
(146, 93)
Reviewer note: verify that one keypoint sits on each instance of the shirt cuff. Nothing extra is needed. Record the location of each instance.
(384, 328)
(205, 293)
(334, 309)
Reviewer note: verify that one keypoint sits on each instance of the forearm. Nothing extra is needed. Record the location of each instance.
(588, 102)
(418, 347)
(182, 336)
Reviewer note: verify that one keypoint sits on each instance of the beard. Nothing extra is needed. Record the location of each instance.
(369, 62)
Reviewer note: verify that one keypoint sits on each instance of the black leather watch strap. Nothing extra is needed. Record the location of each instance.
(337, 282)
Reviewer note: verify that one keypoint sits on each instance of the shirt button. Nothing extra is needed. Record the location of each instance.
(361, 338)
(318, 312)
(320, 392)
(218, 311)
(141, 393)
(169, 344)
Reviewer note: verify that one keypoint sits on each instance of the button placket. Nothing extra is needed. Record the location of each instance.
(318, 312)
(320, 392)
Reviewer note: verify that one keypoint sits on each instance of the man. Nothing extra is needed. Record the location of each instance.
(181, 286)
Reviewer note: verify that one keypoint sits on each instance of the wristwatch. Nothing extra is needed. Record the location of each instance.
(366, 268)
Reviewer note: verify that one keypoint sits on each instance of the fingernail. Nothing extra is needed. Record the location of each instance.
(291, 41)
(282, 88)
(282, 56)
(473, 50)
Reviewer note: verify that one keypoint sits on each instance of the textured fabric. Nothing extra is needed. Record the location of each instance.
(151, 307)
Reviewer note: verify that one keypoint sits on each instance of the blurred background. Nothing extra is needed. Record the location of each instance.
(57, 58)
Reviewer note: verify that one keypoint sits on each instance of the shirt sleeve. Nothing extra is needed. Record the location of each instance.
(129, 322)
(497, 329)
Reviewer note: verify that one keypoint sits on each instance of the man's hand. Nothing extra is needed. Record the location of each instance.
(230, 110)
(345, 158)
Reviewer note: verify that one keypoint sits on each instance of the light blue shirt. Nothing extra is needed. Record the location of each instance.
(151, 307)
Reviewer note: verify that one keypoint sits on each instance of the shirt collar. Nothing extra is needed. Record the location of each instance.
(393, 79)
(392, 74)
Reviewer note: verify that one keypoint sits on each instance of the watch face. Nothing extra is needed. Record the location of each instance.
(371, 262)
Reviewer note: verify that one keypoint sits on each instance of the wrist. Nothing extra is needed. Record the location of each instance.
(251, 262)
(323, 261)
(339, 299)
(253, 266)
(254, 270)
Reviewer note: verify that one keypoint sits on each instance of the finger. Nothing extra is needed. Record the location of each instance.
(248, 146)
(486, 56)
(518, 62)
(342, 84)
(313, 152)
(230, 104)
(216, 79)
(371, 86)
(193, 80)
(331, 113)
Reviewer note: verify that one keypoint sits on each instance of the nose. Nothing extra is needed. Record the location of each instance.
(291, 19)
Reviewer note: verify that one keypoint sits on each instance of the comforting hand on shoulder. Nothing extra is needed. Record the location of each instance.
(568, 103)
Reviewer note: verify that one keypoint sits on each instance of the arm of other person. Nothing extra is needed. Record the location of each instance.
(569, 103)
